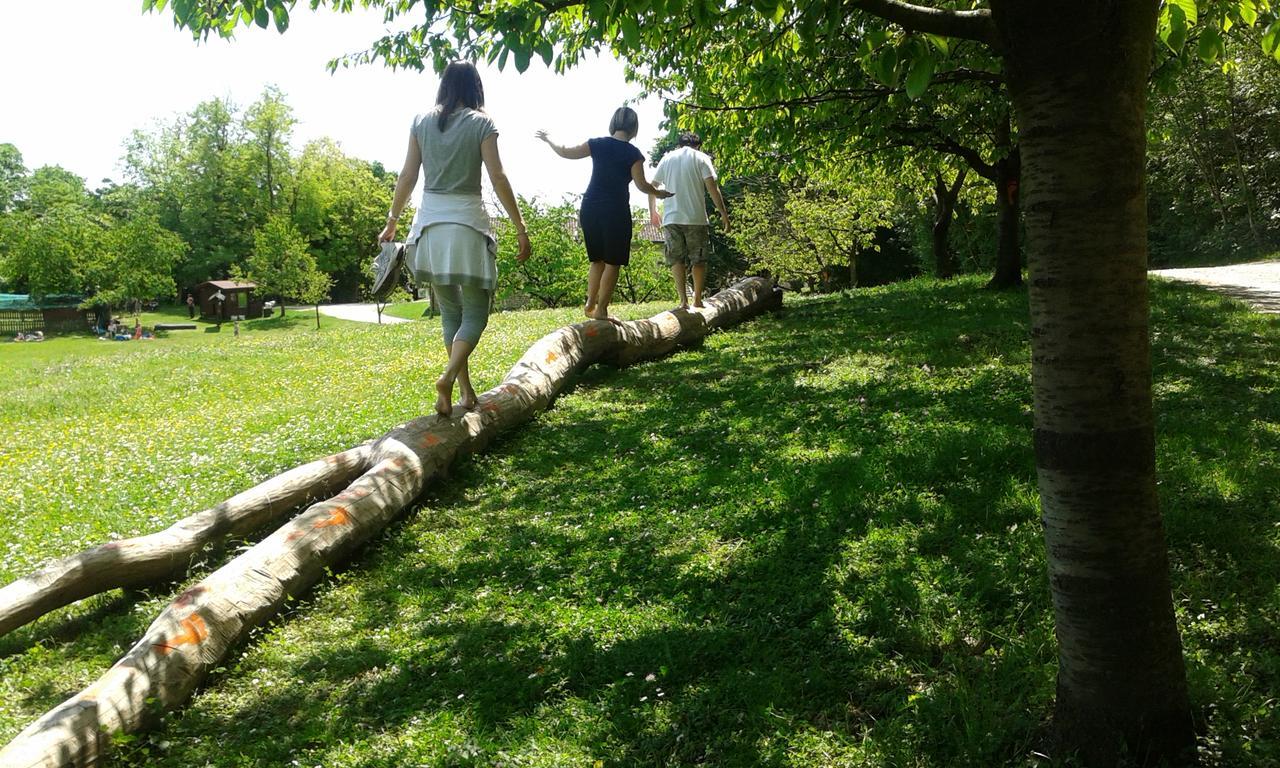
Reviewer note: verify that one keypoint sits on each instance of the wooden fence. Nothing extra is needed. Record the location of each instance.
(60, 320)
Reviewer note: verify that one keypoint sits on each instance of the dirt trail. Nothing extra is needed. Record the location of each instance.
(1257, 284)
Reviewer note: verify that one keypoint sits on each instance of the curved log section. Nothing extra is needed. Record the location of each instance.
(194, 633)
(166, 555)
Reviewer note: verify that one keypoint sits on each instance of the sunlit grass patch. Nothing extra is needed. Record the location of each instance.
(812, 540)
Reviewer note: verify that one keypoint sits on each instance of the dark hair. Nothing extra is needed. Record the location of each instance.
(689, 139)
(460, 86)
(625, 119)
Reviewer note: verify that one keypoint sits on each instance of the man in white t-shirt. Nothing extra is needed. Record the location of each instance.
(687, 172)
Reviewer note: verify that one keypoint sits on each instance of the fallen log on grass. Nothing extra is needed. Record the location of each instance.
(196, 631)
(166, 555)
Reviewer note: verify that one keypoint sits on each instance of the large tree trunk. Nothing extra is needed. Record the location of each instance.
(1077, 74)
(194, 633)
(944, 206)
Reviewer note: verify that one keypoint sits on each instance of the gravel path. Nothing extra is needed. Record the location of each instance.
(1257, 284)
(361, 313)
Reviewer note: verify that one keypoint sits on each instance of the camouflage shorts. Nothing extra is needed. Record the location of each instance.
(687, 242)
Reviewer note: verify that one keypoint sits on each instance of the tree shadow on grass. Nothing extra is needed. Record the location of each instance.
(812, 541)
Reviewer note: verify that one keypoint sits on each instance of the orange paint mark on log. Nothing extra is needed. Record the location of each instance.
(592, 331)
(511, 389)
(294, 536)
(339, 516)
(490, 407)
(194, 630)
(552, 357)
(431, 441)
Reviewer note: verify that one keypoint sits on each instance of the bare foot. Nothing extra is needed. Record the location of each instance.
(589, 309)
(698, 303)
(444, 397)
(683, 306)
(469, 401)
(595, 313)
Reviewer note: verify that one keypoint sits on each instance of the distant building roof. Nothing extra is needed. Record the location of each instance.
(229, 285)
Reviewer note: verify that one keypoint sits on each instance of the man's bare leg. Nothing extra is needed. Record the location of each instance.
(678, 273)
(699, 280)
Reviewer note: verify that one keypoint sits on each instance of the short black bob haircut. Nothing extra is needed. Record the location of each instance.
(460, 86)
(689, 139)
(625, 119)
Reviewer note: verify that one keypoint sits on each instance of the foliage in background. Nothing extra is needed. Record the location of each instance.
(556, 275)
(282, 265)
(210, 178)
(813, 229)
(1214, 155)
(136, 262)
(51, 239)
(337, 201)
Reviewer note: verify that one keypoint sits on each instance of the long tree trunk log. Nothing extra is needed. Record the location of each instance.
(195, 632)
(1078, 77)
(164, 556)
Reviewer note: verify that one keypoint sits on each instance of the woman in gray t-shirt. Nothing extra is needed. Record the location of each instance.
(453, 248)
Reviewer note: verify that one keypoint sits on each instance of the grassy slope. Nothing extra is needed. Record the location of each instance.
(812, 541)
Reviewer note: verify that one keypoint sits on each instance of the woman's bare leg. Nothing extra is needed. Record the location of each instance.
(459, 351)
(604, 294)
(593, 286)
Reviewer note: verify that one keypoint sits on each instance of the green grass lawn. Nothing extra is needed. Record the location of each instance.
(811, 541)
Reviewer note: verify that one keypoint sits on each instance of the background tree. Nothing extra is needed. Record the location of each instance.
(135, 263)
(338, 201)
(1214, 158)
(282, 265)
(812, 229)
(13, 177)
(196, 171)
(53, 235)
(555, 278)
(268, 127)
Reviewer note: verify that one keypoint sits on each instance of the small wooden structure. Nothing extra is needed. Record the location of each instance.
(237, 299)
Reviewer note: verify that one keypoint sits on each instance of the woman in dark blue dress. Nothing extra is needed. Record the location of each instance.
(605, 216)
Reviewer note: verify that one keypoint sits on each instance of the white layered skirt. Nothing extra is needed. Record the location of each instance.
(451, 242)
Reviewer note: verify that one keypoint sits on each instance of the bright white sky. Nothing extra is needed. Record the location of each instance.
(80, 75)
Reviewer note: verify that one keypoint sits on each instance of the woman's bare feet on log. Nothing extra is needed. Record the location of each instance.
(444, 397)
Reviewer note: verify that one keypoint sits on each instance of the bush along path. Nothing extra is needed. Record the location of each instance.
(193, 634)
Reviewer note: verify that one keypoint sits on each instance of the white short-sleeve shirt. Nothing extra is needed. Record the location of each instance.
(683, 171)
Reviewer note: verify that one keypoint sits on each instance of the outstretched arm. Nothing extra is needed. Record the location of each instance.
(713, 189)
(493, 164)
(637, 175)
(405, 183)
(568, 153)
(654, 218)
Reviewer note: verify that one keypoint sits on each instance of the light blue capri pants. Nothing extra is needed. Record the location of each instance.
(464, 312)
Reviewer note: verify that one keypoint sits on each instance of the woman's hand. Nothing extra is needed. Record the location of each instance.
(663, 194)
(541, 134)
(388, 232)
(525, 248)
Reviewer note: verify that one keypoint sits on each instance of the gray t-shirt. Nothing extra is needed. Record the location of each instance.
(451, 158)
